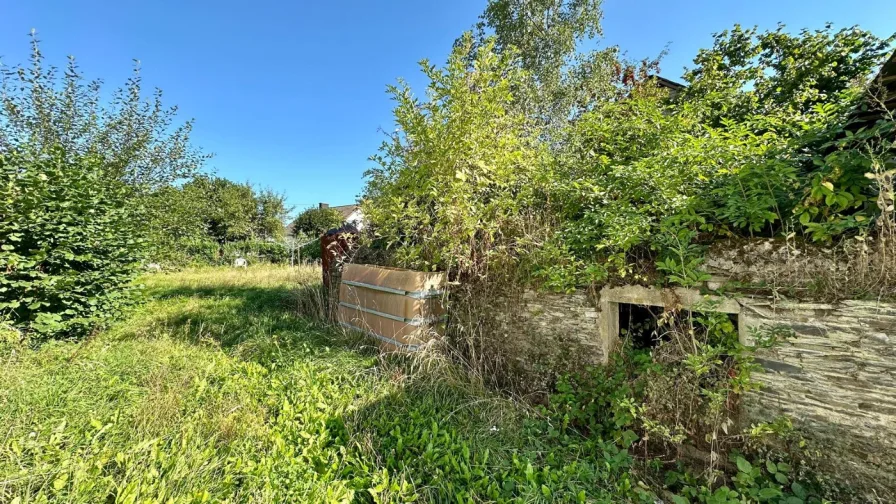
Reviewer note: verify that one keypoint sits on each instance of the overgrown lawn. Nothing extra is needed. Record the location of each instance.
(216, 391)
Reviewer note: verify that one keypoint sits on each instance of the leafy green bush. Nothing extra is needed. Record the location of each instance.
(187, 224)
(636, 180)
(70, 242)
(768, 481)
(208, 252)
(310, 251)
(202, 251)
(596, 401)
(451, 208)
(78, 167)
(313, 222)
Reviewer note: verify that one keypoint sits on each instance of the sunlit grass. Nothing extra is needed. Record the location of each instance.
(216, 390)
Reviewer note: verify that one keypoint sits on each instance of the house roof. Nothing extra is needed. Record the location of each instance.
(886, 79)
(345, 210)
(882, 96)
(666, 83)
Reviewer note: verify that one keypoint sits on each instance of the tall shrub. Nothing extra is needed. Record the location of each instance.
(70, 242)
(459, 174)
(78, 167)
(137, 139)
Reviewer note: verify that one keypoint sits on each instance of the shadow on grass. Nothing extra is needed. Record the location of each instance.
(394, 432)
(264, 321)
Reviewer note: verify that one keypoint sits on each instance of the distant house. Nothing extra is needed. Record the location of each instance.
(674, 88)
(351, 214)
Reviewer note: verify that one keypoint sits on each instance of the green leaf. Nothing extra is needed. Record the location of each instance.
(799, 490)
(744, 466)
(769, 493)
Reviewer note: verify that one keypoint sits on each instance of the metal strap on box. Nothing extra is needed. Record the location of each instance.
(406, 346)
(418, 322)
(411, 294)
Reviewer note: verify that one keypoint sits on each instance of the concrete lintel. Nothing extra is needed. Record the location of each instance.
(689, 299)
(678, 297)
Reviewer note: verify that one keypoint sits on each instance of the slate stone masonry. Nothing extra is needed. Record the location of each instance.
(836, 379)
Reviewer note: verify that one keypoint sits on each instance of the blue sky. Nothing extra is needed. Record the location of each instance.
(291, 95)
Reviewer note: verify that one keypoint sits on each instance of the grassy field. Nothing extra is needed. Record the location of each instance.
(215, 390)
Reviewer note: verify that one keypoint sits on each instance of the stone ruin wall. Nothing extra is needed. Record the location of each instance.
(836, 379)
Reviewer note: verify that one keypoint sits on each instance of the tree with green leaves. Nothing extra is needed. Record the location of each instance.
(271, 212)
(463, 166)
(191, 222)
(76, 174)
(626, 173)
(545, 33)
(138, 140)
(747, 72)
(313, 222)
(562, 81)
(229, 209)
(71, 242)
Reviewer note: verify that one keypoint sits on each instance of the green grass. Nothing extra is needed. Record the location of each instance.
(215, 390)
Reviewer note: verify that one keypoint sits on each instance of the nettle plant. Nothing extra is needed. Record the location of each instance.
(679, 400)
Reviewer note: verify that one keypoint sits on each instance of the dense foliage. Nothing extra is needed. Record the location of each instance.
(457, 176)
(138, 141)
(94, 187)
(212, 220)
(564, 168)
(76, 174)
(70, 242)
(313, 222)
(637, 178)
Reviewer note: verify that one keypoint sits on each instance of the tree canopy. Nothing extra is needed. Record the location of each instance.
(138, 140)
(313, 222)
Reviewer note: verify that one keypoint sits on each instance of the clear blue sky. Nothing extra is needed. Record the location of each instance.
(291, 95)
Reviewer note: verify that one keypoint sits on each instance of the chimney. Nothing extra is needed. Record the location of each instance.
(321, 206)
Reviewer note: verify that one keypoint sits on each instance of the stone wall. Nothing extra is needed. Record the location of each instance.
(549, 333)
(837, 380)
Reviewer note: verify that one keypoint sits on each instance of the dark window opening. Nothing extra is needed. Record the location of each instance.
(645, 326)
(640, 325)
